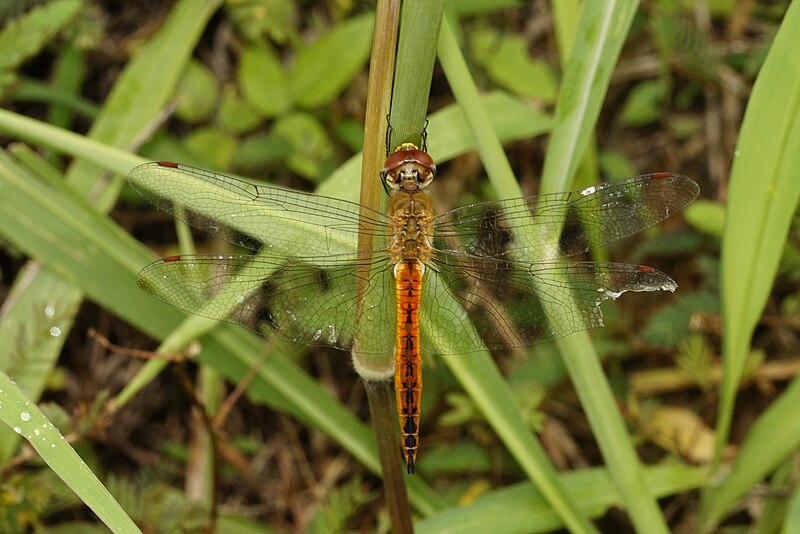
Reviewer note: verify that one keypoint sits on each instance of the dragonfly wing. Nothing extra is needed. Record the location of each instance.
(478, 303)
(562, 224)
(311, 301)
(251, 216)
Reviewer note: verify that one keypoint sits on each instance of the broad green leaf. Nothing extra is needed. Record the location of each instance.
(707, 216)
(212, 146)
(196, 94)
(667, 327)
(615, 164)
(263, 80)
(310, 148)
(235, 114)
(644, 103)
(260, 151)
(350, 132)
(276, 19)
(324, 68)
(507, 61)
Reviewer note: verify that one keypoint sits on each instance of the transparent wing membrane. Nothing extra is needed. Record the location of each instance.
(252, 216)
(493, 280)
(510, 304)
(311, 301)
(564, 224)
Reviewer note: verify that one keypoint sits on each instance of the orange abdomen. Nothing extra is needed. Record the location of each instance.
(408, 371)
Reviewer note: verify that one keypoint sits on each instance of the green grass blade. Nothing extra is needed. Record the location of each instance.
(774, 510)
(602, 29)
(773, 438)
(580, 99)
(522, 508)
(477, 373)
(463, 87)
(601, 32)
(565, 21)
(28, 348)
(609, 429)
(97, 152)
(416, 53)
(763, 194)
(378, 384)
(511, 118)
(21, 414)
(566, 14)
(762, 198)
(31, 329)
(36, 91)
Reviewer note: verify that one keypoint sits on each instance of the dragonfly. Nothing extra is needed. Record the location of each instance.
(493, 275)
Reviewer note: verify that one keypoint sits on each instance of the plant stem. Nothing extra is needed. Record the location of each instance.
(416, 53)
(375, 370)
(381, 399)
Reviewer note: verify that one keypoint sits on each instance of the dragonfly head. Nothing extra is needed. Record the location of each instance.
(408, 169)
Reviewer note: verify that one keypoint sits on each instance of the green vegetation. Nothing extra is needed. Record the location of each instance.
(680, 414)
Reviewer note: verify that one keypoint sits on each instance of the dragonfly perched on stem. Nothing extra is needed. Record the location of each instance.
(491, 275)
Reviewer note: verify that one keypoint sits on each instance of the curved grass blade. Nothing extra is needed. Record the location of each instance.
(21, 414)
(601, 31)
(762, 198)
(478, 374)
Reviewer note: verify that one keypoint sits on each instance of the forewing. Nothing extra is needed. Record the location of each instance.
(562, 224)
(310, 301)
(489, 303)
(251, 216)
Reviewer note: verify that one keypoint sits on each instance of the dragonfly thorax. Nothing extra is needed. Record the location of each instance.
(408, 169)
(411, 216)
